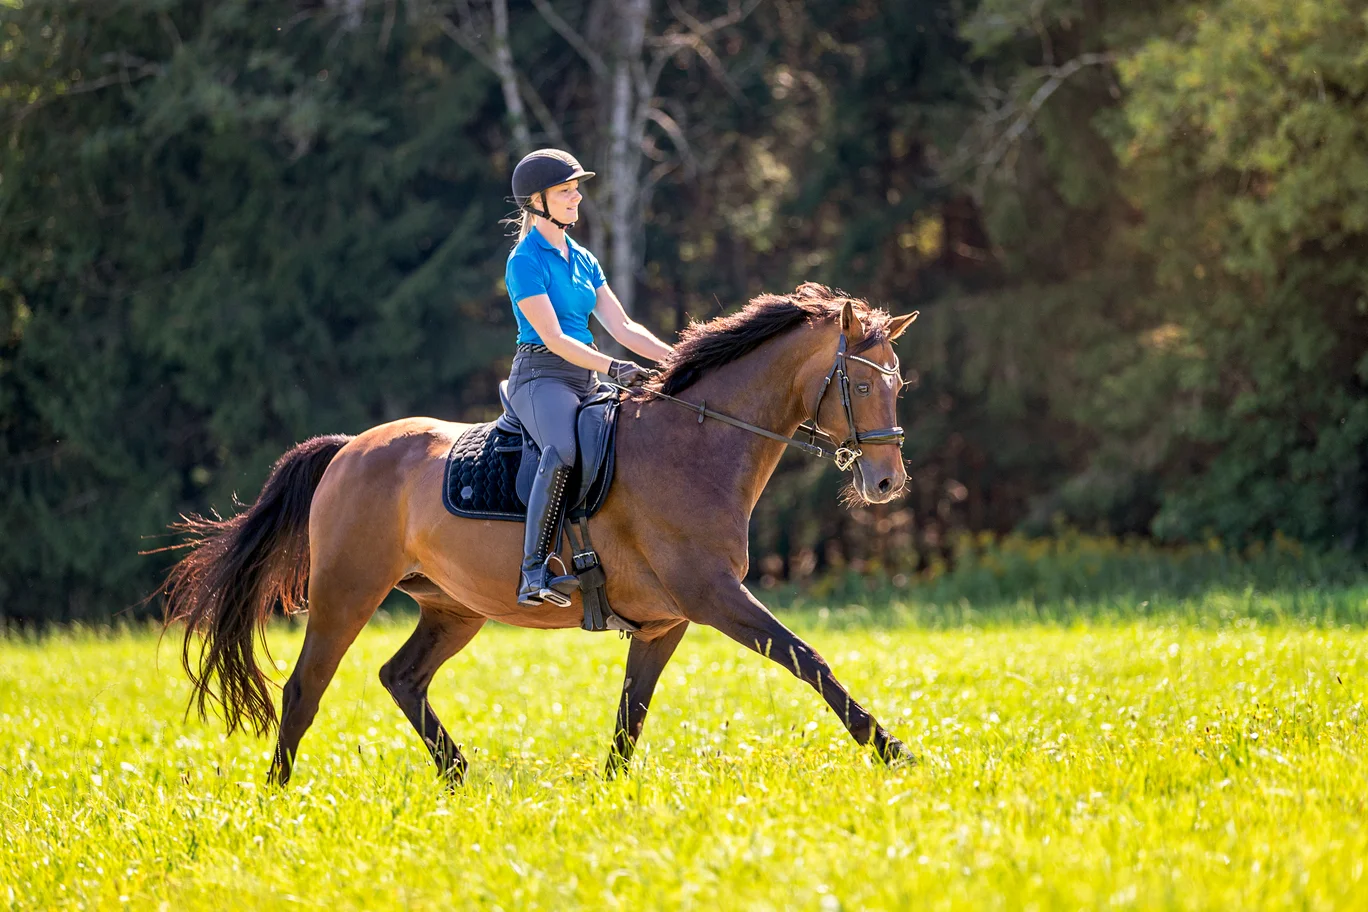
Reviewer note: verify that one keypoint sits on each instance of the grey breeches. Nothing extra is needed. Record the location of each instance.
(546, 391)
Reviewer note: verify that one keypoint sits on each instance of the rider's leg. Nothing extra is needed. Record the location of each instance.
(547, 408)
(536, 583)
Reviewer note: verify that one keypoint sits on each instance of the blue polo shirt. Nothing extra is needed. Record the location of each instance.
(536, 267)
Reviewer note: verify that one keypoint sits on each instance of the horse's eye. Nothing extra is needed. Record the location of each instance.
(862, 389)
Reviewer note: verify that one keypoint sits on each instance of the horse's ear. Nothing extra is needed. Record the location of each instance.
(850, 324)
(898, 325)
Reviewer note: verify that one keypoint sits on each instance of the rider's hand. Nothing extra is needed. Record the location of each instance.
(628, 373)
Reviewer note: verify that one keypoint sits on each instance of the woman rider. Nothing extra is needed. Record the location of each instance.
(555, 284)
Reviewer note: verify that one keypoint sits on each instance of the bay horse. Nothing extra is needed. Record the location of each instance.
(348, 519)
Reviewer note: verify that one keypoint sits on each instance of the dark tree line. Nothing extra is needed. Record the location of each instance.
(1136, 232)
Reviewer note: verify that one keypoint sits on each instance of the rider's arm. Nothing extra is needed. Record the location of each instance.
(624, 329)
(542, 316)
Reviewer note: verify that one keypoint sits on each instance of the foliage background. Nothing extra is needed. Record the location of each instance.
(1136, 232)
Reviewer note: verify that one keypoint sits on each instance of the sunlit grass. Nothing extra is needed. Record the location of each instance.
(1132, 764)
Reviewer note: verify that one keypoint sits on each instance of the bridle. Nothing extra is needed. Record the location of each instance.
(845, 453)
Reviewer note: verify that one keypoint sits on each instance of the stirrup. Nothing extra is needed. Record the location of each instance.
(534, 596)
(566, 582)
(537, 586)
(553, 597)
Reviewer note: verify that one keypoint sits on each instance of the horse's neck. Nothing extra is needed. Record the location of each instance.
(767, 389)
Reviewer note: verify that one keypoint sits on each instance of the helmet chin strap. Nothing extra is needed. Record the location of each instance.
(546, 213)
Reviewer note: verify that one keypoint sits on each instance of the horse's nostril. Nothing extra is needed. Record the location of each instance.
(885, 485)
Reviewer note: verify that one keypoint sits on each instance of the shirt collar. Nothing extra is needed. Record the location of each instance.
(547, 245)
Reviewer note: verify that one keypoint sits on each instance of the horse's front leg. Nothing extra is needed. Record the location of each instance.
(645, 661)
(719, 600)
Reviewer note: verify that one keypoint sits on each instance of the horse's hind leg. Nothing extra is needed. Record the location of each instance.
(444, 629)
(338, 609)
(645, 661)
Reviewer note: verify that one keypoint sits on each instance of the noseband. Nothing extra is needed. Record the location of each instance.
(845, 453)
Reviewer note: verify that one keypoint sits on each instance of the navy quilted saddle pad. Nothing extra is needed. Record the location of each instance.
(482, 473)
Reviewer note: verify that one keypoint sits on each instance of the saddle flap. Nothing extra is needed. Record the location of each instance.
(594, 426)
(527, 469)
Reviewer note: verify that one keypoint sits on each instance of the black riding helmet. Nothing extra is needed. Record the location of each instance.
(542, 170)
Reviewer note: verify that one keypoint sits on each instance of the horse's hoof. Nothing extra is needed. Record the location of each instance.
(894, 753)
(902, 759)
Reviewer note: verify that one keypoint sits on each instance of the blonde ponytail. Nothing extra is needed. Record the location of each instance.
(520, 224)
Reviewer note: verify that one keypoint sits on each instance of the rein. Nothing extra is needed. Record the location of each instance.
(844, 453)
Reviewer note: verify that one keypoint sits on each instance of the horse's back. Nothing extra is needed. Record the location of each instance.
(384, 471)
(405, 439)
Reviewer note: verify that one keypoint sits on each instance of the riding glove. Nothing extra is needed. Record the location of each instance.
(629, 373)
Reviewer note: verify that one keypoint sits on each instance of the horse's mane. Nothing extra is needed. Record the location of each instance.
(721, 340)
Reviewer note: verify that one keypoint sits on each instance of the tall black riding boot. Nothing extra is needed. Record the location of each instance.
(544, 504)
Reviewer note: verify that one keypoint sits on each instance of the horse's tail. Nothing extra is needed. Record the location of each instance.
(238, 572)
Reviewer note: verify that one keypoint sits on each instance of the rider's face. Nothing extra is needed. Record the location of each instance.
(563, 200)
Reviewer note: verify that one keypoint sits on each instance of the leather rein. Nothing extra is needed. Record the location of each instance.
(845, 453)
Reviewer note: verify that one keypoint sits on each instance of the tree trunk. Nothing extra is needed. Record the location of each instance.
(508, 80)
(624, 150)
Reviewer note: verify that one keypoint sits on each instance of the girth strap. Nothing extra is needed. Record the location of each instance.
(598, 614)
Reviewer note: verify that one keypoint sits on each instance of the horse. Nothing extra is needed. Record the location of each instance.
(346, 520)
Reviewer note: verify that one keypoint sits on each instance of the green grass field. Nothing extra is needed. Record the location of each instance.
(1133, 764)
